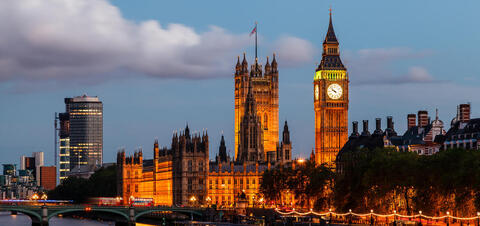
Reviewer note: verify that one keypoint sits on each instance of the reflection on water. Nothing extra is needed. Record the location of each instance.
(23, 220)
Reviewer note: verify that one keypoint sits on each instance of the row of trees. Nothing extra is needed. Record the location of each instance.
(385, 180)
(103, 183)
(307, 182)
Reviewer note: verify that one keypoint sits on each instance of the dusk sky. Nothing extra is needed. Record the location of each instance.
(157, 65)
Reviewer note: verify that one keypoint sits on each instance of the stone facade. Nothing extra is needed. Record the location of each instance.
(265, 89)
(250, 146)
(330, 87)
(174, 176)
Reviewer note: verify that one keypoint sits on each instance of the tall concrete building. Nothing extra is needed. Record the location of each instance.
(81, 141)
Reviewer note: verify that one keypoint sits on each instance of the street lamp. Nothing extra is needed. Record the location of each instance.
(193, 199)
(448, 218)
(420, 216)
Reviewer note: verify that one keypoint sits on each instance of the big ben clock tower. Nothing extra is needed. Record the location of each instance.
(330, 97)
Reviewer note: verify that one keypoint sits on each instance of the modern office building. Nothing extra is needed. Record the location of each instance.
(64, 146)
(9, 169)
(81, 134)
(48, 177)
(33, 164)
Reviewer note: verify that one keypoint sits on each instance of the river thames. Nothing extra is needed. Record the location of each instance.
(22, 220)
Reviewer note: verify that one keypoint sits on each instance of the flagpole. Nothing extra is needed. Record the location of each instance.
(256, 31)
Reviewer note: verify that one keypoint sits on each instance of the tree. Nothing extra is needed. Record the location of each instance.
(101, 184)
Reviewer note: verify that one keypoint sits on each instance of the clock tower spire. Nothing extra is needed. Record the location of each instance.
(330, 86)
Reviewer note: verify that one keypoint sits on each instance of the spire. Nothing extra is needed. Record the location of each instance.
(238, 66)
(436, 114)
(286, 134)
(274, 62)
(244, 67)
(222, 151)
(267, 67)
(331, 54)
(187, 131)
(330, 37)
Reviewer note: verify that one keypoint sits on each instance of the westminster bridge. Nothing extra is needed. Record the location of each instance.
(124, 215)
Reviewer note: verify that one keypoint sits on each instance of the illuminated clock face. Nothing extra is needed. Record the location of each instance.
(334, 91)
(317, 92)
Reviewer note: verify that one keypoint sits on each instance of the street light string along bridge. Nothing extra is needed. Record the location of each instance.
(372, 214)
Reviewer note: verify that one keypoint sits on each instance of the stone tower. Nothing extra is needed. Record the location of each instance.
(190, 155)
(265, 90)
(250, 146)
(284, 150)
(330, 87)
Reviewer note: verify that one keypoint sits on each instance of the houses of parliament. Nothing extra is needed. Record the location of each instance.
(184, 174)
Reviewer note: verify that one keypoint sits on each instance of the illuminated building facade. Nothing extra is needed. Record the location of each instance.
(265, 89)
(175, 176)
(146, 179)
(84, 140)
(330, 88)
(250, 146)
(228, 181)
(183, 174)
(64, 147)
(48, 177)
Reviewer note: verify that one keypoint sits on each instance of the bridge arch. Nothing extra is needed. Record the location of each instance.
(53, 213)
(141, 213)
(34, 216)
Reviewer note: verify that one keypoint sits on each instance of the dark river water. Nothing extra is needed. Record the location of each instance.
(22, 220)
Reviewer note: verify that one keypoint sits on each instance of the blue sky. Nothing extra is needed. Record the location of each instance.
(158, 64)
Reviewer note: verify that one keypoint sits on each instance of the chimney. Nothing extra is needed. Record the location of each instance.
(378, 126)
(464, 112)
(355, 129)
(411, 120)
(390, 122)
(365, 128)
(422, 118)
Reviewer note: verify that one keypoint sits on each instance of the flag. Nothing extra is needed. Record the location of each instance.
(254, 30)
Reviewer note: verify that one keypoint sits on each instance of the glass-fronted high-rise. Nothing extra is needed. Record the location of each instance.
(85, 116)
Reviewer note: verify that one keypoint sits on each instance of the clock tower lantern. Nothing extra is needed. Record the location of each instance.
(330, 98)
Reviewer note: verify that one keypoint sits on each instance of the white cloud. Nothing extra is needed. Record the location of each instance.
(373, 66)
(91, 40)
(418, 74)
(294, 51)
